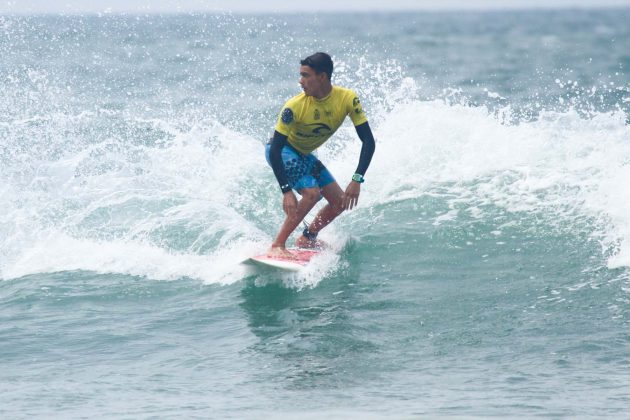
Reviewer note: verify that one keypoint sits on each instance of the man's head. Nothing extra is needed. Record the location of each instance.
(315, 72)
(320, 62)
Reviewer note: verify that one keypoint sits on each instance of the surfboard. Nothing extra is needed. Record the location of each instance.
(302, 258)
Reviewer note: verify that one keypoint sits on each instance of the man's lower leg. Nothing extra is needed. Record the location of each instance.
(305, 205)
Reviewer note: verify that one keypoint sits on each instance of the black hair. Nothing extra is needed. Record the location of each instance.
(320, 62)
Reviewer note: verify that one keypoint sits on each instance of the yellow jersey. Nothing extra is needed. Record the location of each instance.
(308, 122)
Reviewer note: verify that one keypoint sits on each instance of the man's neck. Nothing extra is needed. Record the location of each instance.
(324, 92)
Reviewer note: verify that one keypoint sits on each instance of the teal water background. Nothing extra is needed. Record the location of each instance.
(485, 272)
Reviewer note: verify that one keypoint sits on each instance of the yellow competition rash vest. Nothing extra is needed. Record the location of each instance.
(308, 122)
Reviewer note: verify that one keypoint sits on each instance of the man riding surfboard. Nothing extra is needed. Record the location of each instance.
(306, 122)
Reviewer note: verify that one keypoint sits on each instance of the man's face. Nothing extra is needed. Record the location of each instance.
(311, 82)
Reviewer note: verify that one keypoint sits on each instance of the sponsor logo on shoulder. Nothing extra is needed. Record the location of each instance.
(287, 116)
(356, 104)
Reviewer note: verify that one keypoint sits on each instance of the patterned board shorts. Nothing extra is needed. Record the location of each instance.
(303, 171)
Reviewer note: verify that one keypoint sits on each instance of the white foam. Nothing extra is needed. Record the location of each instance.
(201, 198)
(561, 164)
(60, 252)
(115, 207)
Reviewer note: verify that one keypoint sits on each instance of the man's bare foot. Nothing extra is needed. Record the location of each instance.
(303, 242)
(280, 252)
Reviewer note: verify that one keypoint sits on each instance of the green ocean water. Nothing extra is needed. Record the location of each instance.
(484, 273)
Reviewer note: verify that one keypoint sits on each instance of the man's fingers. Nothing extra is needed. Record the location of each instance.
(351, 196)
(349, 202)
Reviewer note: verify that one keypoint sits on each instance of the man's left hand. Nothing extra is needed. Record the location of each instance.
(351, 196)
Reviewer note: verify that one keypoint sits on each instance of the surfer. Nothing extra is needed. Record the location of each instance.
(306, 122)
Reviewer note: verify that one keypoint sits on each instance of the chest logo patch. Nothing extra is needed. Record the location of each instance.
(319, 128)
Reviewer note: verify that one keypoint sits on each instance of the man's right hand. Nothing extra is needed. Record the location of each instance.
(289, 204)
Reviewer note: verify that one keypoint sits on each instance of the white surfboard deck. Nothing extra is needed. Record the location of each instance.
(302, 258)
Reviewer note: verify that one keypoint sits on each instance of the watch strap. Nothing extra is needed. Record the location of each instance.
(358, 178)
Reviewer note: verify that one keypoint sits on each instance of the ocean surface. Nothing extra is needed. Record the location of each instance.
(485, 272)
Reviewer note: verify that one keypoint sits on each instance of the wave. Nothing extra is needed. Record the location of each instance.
(164, 198)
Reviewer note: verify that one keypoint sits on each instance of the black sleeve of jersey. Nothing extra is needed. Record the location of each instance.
(367, 149)
(275, 157)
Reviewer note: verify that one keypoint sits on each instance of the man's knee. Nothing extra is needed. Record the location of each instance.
(311, 195)
(334, 196)
(337, 207)
(336, 204)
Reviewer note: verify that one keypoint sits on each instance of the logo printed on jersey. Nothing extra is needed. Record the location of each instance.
(287, 116)
(319, 128)
(316, 115)
(356, 104)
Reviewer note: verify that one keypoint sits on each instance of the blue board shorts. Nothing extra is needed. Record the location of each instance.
(303, 171)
